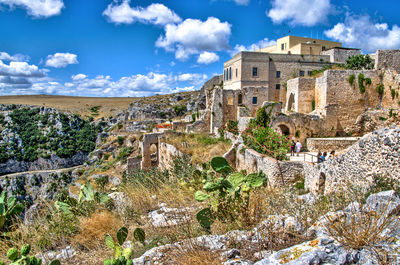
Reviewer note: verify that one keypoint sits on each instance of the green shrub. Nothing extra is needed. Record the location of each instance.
(266, 141)
(313, 105)
(120, 140)
(393, 93)
(361, 83)
(351, 79)
(179, 109)
(232, 127)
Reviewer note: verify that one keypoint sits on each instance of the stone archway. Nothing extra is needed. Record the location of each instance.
(150, 150)
(284, 124)
(284, 129)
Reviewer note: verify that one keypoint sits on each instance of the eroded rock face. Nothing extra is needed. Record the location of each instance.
(323, 249)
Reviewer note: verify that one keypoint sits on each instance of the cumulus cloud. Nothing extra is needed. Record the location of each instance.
(196, 79)
(78, 77)
(361, 32)
(81, 85)
(16, 57)
(194, 36)
(122, 13)
(253, 47)
(299, 12)
(61, 60)
(37, 8)
(20, 69)
(208, 58)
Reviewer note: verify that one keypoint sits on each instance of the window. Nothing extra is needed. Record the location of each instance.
(255, 71)
(309, 73)
(225, 75)
(278, 86)
(301, 73)
(230, 100)
(283, 46)
(230, 73)
(236, 72)
(278, 74)
(254, 100)
(240, 99)
(323, 48)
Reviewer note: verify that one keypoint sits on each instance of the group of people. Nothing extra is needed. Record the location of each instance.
(324, 156)
(296, 147)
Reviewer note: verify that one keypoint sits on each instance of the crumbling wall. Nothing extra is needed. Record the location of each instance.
(300, 95)
(340, 55)
(167, 154)
(374, 155)
(253, 162)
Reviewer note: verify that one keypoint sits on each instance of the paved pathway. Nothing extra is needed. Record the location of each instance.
(308, 157)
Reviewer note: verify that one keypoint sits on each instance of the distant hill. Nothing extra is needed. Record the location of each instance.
(96, 107)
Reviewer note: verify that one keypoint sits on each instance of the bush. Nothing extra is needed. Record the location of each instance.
(179, 109)
(120, 140)
(351, 79)
(266, 141)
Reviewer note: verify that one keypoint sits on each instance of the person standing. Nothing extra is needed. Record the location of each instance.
(292, 148)
(298, 147)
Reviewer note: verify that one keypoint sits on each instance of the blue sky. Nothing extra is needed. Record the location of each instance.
(141, 48)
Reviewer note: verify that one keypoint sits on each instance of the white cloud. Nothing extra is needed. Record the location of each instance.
(361, 32)
(122, 13)
(61, 60)
(20, 69)
(15, 58)
(78, 77)
(135, 85)
(194, 36)
(208, 58)
(242, 2)
(253, 47)
(37, 8)
(300, 12)
(196, 79)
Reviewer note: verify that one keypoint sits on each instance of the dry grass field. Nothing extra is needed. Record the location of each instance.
(82, 105)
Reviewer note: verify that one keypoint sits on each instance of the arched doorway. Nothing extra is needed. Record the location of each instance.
(284, 129)
(240, 99)
(291, 103)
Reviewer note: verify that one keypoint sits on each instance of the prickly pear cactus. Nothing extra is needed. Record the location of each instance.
(226, 192)
(21, 257)
(122, 256)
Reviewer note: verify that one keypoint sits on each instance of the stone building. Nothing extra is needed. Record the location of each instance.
(300, 45)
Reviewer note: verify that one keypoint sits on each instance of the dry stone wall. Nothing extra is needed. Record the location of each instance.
(375, 155)
(329, 144)
(252, 162)
(167, 153)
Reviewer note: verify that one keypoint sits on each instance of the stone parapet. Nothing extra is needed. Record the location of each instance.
(329, 144)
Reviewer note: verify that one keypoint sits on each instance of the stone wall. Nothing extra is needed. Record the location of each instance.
(252, 162)
(300, 95)
(374, 155)
(387, 60)
(167, 153)
(329, 144)
(333, 88)
(133, 163)
(340, 55)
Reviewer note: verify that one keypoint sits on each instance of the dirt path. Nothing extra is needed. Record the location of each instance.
(41, 171)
